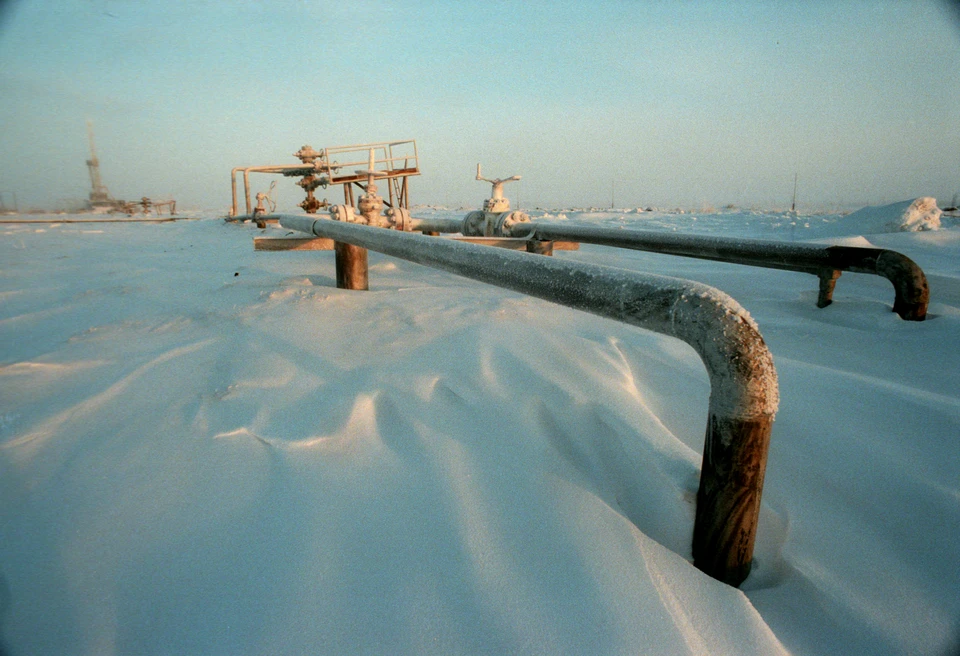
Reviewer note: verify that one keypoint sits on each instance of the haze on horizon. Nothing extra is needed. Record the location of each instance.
(670, 104)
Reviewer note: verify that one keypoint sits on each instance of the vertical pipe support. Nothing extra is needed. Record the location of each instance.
(828, 281)
(728, 499)
(351, 265)
(246, 190)
(233, 191)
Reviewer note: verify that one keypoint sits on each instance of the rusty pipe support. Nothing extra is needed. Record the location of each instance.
(912, 294)
(351, 266)
(743, 382)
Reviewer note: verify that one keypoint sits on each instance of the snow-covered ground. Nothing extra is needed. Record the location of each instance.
(210, 450)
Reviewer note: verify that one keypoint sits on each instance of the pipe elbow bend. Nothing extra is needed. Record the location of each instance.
(910, 283)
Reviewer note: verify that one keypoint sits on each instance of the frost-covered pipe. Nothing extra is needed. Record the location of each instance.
(436, 225)
(743, 381)
(909, 282)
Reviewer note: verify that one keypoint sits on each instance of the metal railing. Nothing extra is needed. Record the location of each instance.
(743, 381)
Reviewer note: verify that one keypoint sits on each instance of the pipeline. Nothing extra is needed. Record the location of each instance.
(912, 294)
(743, 382)
(246, 181)
(436, 225)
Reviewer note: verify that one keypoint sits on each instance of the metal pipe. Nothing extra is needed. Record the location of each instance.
(436, 225)
(908, 279)
(278, 168)
(246, 190)
(743, 381)
(233, 190)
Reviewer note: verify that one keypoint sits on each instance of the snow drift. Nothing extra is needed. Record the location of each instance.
(206, 449)
(906, 216)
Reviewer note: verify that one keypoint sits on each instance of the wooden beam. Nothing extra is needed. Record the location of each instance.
(292, 244)
(516, 244)
(321, 244)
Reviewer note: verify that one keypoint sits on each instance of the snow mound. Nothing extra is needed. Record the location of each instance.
(905, 216)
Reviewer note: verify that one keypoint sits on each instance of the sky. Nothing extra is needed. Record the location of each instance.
(626, 103)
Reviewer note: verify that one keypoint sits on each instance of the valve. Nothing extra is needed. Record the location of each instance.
(370, 203)
(496, 219)
(264, 199)
(496, 202)
(307, 155)
(309, 182)
(310, 205)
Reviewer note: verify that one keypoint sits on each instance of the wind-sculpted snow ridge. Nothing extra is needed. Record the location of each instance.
(915, 215)
(208, 449)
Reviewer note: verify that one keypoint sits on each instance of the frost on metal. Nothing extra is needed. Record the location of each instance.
(743, 382)
(825, 262)
(742, 375)
(743, 378)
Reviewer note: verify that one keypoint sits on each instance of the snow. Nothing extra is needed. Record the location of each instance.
(910, 216)
(206, 449)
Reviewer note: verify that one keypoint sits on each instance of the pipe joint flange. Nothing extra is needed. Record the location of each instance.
(398, 218)
(510, 224)
(473, 224)
(343, 213)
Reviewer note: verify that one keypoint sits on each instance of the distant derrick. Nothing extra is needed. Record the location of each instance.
(101, 202)
(100, 198)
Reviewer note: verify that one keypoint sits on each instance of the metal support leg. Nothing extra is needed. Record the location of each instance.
(728, 501)
(351, 263)
(828, 280)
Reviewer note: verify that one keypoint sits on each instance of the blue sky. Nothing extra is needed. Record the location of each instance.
(672, 104)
